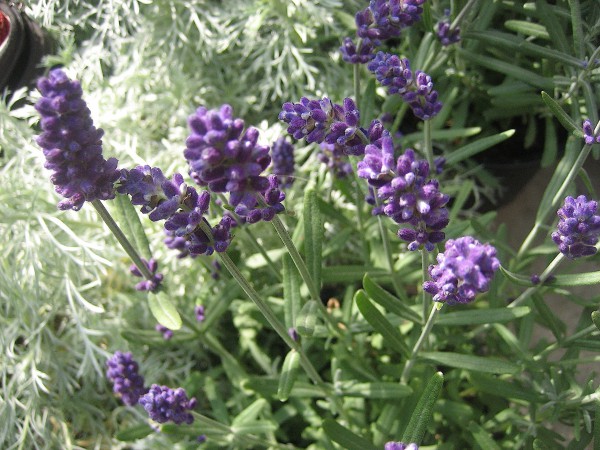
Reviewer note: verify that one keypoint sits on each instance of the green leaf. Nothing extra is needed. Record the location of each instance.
(255, 427)
(390, 302)
(164, 311)
(550, 144)
(596, 319)
(470, 362)
(391, 335)
(267, 386)
(289, 374)
(128, 220)
(313, 236)
(134, 433)
(575, 279)
(478, 146)
(350, 274)
(482, 316)
(291, 291)
(344, 437)
(562, 116)
(482, 437)
(517, 279)
(527, 28)
(374, 390)
(421, 415)
(307, 319)
(502, 388)
(250, 413)
(509, 69)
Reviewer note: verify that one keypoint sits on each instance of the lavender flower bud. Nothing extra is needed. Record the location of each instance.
(578, 227)
(147, 285)
(199, 312)
(415, 89)
(167, 333)
(164, 404)
(445, 34)
(127, 382)
(465, 269)
(588, 133)
(72, 144)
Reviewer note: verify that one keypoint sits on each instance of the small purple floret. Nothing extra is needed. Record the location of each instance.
(127, 382)
(282, 155)
(164, 404)
(199, 312)
(465, 269)
(72, 144)
(357, 55)
(446, 35)
(588, 133)
(578, 227)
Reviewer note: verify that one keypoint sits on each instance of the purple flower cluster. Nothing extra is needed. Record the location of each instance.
(406, 194)
(147, 285)
(384, 19)
(588, 133)
(445, 34)
(227, 158)
(324, 121)
(416, 88)
(465, 269)
(283, 161)
(578, 228)
(127, 382)
(180, 205)
(400, 446)
(360, 53)
(164, 404)
(72, 145)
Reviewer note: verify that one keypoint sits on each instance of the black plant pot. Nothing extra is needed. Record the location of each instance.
(22, 49)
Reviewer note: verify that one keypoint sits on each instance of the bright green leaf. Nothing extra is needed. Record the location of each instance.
(478, 146)
(164, 311)
(470, 362)
(344, 437)
(421, 415)
(128, 220)
(482, 316)
(289, 374)
(313, 236)
(390, 302)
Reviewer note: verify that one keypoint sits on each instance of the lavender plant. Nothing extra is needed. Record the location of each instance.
(368, 304)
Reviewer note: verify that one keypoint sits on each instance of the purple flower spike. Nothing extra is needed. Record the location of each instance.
(588, 133)
(405, 193)
(283, 161)
(361, 54)
(384, 19)
(72, 144)
(465, 269)
(578, 228)
(127, 382)
(400, 446)
(324, 121)
(164, 404)
(147, 285)
(415, 89)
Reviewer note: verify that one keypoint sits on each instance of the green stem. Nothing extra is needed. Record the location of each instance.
(356, 79)
(461, 15)
(247, 441)
(116, 231)
(422, 338)
(557, 345)
(543, 277)
(299, 262)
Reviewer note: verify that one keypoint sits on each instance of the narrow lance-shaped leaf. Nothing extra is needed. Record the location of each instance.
(415, 430)
(389, 301)
(291, 291)
(561, 115)
(482, 437)
(128, 220)
(470, 362)
(478, 146)
(378, 321)
(575, 279)
(313, 236)
(250, 413)
(483, 316)
(346, 438)
(596, 319)
(289, 374)
(164, 311)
